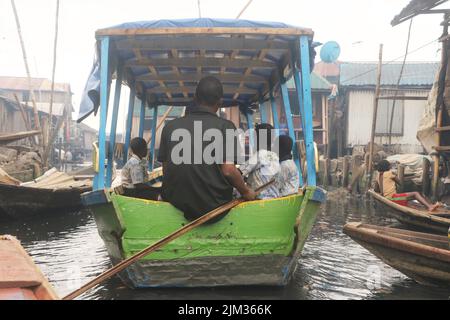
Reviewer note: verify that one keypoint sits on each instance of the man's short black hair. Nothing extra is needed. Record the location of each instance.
(138, 146)
(383, 166)
(264, 132)
(209, 91)
(285, 146)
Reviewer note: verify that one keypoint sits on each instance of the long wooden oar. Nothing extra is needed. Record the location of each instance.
(126, 263)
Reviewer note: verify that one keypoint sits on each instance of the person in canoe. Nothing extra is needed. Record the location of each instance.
(288, 181)
(135, 170)
(264, 165)
(191, 182)
(386, 186)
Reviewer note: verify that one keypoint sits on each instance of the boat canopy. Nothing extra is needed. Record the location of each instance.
(165, 59)
(162, 62)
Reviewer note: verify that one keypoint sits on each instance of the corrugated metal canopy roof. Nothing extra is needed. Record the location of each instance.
(414, 8)
(364, 74)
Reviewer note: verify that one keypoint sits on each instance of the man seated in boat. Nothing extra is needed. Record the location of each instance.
(288, 181)
(386, 186)
(264, 165)
(192, 183)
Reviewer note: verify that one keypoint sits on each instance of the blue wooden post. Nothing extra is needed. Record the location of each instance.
(113, 130)
(276, 121)
(99, 181)
(263, 112)
(151, 159)
(299, 89)
(142, 117)
(307, 110)
(251, 126)
(129, 126)
(290, 123)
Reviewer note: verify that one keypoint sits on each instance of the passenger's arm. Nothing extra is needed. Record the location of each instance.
(232, 174)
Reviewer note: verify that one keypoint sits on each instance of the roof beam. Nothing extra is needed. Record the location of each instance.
(206, 43)
(191, 89)
(203, 62)
(197, 77)
(202, 30)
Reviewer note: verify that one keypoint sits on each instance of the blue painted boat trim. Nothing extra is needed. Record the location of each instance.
(319, 195)
(104, 97)
(129, 126)
(113, 130)
(93, 198)
(307, 109)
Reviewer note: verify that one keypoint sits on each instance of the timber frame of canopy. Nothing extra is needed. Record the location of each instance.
(162, 66)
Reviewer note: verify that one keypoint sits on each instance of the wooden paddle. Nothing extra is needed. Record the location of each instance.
(178, 233)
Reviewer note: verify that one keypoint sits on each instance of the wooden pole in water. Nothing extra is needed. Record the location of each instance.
(375, 112)
(126, 263)
(50, 114)
(37, 124)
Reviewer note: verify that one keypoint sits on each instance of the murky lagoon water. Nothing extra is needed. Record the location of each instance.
(70, 252)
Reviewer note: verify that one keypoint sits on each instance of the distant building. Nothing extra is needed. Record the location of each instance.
(11, 119)
(357, 90)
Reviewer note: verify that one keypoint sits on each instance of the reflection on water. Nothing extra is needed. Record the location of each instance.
(69, 251)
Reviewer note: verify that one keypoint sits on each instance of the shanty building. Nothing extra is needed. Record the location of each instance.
(357, 90)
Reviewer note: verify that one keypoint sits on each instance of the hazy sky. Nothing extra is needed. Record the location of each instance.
(357, 25)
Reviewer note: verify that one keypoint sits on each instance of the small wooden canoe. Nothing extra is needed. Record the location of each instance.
(257, 243)
(53, 192)
(20, 278)
(423, 257)
(414, 216)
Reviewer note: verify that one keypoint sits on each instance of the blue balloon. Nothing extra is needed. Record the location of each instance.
(330, 52)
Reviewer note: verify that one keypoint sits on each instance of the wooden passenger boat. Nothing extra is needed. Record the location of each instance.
(256, 243)
(423, 257)
(20, 278)
(53, 192)
(438, 221)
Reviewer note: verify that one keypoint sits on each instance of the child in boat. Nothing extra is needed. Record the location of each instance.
(264, 165)
(386, 182)
(135, 170)
(288, 181)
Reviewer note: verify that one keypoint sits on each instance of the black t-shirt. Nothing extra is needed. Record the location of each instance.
(191, 184)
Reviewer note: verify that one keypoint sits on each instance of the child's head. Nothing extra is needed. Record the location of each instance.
(383, 166)
(285, 145)
(264, 136)
(139, 147)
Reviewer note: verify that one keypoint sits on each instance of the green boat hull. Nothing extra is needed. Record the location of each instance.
(256, 243)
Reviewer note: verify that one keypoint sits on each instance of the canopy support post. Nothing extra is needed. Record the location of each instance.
(151, 159)
(299, 89)
(251, 127)
(276, 121)
(290, 124)
(308, 132)
(129, 126)
(263, 112)
(112, 133)
(99, 180)
(142, 117)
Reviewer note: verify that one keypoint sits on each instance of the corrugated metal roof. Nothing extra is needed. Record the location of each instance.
(38, 84)
(414, 8)
(317, 82)
(364, 74)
